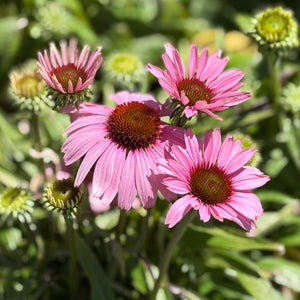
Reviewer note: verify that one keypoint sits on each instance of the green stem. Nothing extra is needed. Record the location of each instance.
(166, 259)
(121, 225)
(275, 83)
(35, 129)
(142, 232)
(73, 278)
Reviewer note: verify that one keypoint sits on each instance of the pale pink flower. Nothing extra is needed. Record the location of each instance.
(122, 144)
(67, 70)
(213, 179)
(99, 207)
(205, 87)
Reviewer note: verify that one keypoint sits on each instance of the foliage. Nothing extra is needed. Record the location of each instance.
(118, 253)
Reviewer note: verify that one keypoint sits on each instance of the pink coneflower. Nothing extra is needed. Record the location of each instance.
(213, 179)
(123, 144)
(69, 72)
(206, 88)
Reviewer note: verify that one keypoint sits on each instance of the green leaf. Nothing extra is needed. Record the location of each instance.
(293, 141)
(240, 262)
(9, 179)
(184, 293)
(270, 221)
(275, 196)
(275, 164)
(139, 279)
(89, 262)
(259, 288)
(283, 272)
(226, 240)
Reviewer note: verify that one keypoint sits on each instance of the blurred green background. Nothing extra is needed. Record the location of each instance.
(213, 261)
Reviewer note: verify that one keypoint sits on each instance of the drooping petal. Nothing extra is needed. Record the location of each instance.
(178, 210)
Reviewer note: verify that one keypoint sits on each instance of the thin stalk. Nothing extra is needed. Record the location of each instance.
(73, 277)
(166, 259)
(119, 230)
(121, 225)
(142, 232)
(275, 82)
(35, 129)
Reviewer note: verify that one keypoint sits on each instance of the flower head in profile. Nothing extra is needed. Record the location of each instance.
(213, 179)
(275, 28)
(69, 73)
(122, 144)
(61, 195)
(205, 87)
(28, 87)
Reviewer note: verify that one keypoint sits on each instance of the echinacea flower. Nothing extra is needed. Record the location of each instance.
(125, 70)
(16, 204)
(54, 19)
(28, 87)
(275, 28)
(122, 144)
(205, 87)
(68, 72)
(213, 180)
(61, 195)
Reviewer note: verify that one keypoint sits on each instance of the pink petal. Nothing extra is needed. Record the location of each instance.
(176, 185)
(190, 111)
(89, 160)
(127, 190)
(193, 60)
(84, 54)
(202, 62)
(72, 50)
(83, 122)
(171, 68)
(80, 145)
(146, 190)
(204, 212)
(64, 54)
(110, 193)
(70, 87)
(178, 210)
(55, 55)
(192, 146)
(240, 159)
(212, 61)
(157, 72)
(212, 144)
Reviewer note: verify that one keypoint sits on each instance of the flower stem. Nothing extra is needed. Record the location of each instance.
(275, 83)
(165, 261)
(121, 225)
(73, 278)
(35, 129)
